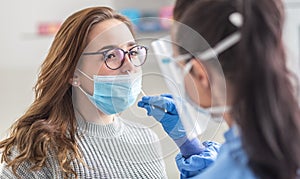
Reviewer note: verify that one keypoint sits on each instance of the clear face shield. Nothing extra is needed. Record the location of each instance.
(175, 70)
(193, 121)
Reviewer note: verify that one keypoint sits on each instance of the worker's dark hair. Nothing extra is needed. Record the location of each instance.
(264, 102)
(180, 7)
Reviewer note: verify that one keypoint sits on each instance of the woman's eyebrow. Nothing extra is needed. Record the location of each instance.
(129, 44)
(107, 47)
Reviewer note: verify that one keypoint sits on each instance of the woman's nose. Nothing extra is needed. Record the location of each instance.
(127, 65)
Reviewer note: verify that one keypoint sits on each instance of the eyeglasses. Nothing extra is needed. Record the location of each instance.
(115, 58)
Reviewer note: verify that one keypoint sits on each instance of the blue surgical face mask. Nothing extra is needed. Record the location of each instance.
(114, 94)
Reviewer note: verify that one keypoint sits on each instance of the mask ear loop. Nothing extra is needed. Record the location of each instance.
(85, 74)
(80, 86)
(187, 68)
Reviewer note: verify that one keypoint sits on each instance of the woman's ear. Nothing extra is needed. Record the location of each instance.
(200, 74)
(74, 81)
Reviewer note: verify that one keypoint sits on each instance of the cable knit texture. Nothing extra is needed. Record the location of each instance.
(118, 150)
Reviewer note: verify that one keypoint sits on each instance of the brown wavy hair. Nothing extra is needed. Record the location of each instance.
(49, 123)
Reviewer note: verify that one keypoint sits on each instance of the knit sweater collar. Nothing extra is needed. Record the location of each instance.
(98, 130)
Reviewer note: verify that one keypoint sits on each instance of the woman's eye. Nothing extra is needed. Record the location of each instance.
(133, 53)
(111, 56)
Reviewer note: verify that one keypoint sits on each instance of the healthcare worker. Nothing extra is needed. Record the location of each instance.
(72, 130)
(245, 39)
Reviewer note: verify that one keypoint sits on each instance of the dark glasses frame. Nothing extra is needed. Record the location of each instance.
(129, 52)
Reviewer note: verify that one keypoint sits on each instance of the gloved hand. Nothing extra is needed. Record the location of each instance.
(195, 164)
(163, 109)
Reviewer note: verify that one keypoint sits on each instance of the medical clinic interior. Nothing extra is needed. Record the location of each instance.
(28, 29)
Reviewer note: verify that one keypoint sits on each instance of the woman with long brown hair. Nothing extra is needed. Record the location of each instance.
(232, 59)
(91, 73)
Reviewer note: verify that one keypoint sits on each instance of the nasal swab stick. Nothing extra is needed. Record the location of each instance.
(153, 106)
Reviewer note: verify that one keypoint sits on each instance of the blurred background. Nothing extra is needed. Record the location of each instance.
(27, 30)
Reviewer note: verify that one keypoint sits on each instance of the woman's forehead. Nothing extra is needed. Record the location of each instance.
(110, 32)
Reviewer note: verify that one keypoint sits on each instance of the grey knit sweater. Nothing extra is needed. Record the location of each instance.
(118, 150)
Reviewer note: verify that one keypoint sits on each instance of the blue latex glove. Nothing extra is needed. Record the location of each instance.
(163, 109)
(195, 164)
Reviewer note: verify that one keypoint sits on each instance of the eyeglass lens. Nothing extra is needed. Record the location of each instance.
(114, 58)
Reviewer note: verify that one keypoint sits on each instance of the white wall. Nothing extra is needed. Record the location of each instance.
(292, 35)
(20, 47)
